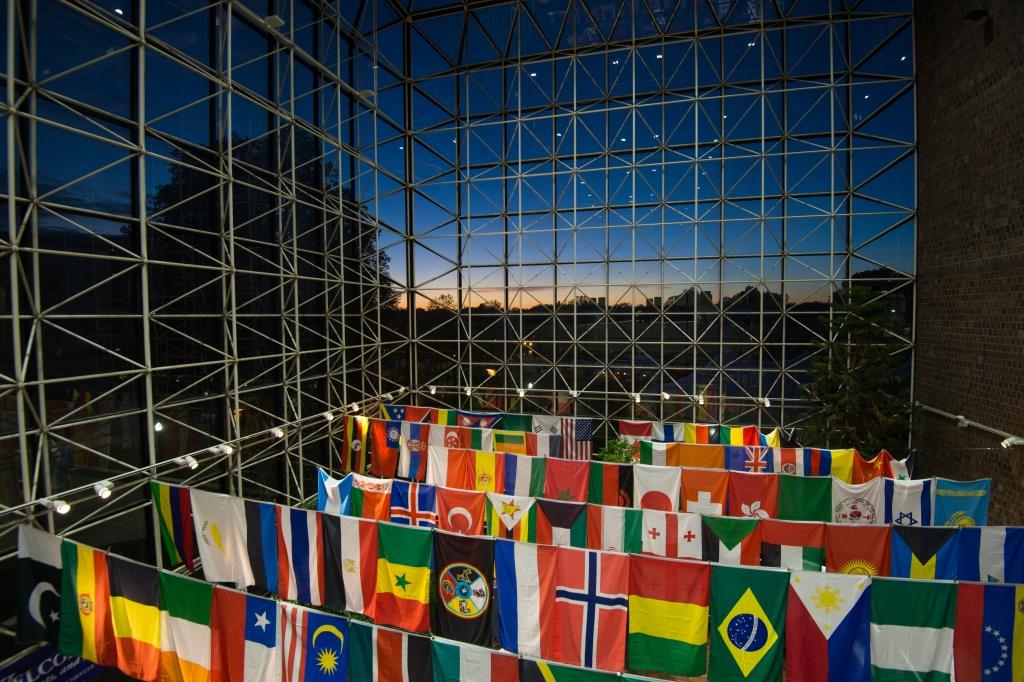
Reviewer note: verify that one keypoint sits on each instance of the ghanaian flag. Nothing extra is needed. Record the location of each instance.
(403, 577)
(85, 627)
(135, 615)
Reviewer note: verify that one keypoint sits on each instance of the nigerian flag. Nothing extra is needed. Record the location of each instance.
(912, 630)
(748, 613)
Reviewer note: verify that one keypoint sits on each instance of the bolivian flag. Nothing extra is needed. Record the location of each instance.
(85, 627)
(135, 615)
(668, 615)
(403, 577)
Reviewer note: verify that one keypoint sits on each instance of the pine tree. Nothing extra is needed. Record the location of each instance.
(859, 397)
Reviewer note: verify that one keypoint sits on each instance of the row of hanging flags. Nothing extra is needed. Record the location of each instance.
(592, 609)
(697, 481)
(554, 436)
(749, 537)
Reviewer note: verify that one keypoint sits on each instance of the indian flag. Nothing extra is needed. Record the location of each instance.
(668, 616)
(184, 628)
(912, 630)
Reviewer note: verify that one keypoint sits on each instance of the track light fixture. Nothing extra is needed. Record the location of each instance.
(665, 395)
(1012, 441)
(522, 393)
(574, 394)
(277, 432)
(433, 390)
(187, 461)
(529, 385)
(59, 506)
(103, 489)
(636, 397)
(354, 407)
(767, 402)
(388, 397)
(328, 416)
(700, 399)
(469, 391)
(961, 421)
(158, 427)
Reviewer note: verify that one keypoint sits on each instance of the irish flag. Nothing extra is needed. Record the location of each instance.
(185, 642)
(912, 629)
(668, 615)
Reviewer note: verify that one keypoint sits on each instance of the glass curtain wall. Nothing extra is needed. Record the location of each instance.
(191, 192)
(622, 197)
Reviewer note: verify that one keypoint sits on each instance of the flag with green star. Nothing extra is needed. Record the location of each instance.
(403, 577)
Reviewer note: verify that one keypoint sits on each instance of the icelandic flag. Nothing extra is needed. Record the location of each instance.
(412, 451)
(333, 496)
(828, 627)
(908, 503)
(300, 575)
(961, 503)
(413, 504)
(991, 554)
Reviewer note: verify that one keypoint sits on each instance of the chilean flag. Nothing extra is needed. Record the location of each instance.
(828, 627)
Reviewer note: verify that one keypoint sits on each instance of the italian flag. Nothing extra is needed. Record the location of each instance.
(467, 663)
(912, 630)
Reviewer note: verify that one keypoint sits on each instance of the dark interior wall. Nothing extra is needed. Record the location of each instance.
(970, 253)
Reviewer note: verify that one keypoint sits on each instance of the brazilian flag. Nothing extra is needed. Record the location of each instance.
(748, 612)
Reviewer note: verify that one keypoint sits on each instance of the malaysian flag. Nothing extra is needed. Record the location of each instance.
(576, 438)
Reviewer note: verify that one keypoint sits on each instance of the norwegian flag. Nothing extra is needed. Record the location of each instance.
(577, 435)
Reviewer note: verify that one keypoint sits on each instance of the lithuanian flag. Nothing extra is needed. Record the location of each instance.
(403, 577)
(135, 615)
(85, 627)
(668, 615)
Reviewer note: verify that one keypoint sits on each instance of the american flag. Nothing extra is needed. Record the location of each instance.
(576, 438)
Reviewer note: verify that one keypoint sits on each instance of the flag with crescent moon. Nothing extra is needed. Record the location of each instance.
(461, 511)
(314, 645)
(39, 566)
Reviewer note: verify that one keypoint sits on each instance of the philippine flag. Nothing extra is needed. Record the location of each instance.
(828, 627)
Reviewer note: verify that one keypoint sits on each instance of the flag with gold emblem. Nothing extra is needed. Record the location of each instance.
(828, 627)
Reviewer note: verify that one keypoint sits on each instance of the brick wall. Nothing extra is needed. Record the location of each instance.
(970, 253)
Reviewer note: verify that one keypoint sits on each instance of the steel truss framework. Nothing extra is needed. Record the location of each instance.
(229, 217)
(189, 210)
(653, 197)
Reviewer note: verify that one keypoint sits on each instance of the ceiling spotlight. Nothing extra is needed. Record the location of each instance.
(665, 396)
(767, 402)
(1012, 441)
(158, 427)
(961, 421)
(354, 407)
(328, 416)
(401, 390)
(227, 449)
(59, 506)
(522, 393)
(187, 461)
(277, 432)
(433, 390)
(574, 394)
(700, 399)
(103, 489)
(529, 385)
(388, 396)
(636, 397)
(469, 391)
(273, 22)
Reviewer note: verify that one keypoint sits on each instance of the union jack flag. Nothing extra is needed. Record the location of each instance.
(755, 460)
